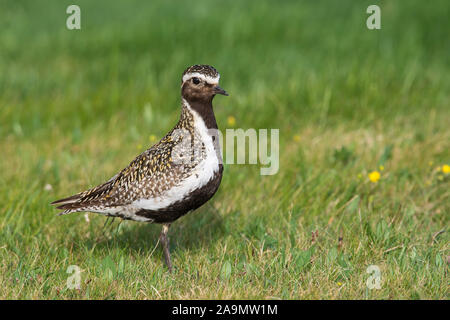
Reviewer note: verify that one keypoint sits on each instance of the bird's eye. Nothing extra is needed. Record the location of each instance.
(196, 80)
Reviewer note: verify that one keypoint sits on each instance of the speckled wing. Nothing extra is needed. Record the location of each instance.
(147, 176)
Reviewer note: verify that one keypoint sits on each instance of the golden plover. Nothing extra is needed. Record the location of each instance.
(177, 175)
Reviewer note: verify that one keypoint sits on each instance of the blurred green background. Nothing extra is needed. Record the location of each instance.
(134, 52)
(77, 106)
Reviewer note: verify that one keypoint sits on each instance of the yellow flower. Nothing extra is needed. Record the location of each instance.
(152, 138)
(339, 283)
(446, 168)
(297, 138)
(374, 176)
(231, 121)
(139, 146)
(381, 168)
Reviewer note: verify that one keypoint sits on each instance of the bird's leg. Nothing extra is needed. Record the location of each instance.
(165, 242)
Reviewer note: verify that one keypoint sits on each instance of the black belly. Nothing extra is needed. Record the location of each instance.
(191, 202)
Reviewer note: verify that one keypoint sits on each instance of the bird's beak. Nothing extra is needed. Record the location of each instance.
(219, 90)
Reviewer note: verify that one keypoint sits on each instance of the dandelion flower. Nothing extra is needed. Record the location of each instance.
(374, 176)
(297, 138)
(231, 121)
(339, 283)
(152, 138)
(446, 168)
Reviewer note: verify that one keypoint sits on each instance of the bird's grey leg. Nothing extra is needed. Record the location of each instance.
(165, 242)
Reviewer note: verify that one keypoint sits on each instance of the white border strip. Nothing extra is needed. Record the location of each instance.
(208, 79)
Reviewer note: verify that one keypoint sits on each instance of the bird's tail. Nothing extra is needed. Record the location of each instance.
(85, 201)
(70, 204)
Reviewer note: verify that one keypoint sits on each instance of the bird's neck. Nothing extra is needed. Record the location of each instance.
(201, 110)
(200, 119)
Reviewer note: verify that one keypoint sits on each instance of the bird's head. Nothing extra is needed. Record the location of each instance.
(200, 83)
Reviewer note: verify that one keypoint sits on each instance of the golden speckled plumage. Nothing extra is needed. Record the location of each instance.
(147, 176)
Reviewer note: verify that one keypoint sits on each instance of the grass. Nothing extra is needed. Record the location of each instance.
(76, 106)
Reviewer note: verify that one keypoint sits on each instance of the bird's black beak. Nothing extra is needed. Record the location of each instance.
(219, 90)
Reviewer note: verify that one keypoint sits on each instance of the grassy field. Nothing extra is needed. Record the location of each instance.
(77, 106)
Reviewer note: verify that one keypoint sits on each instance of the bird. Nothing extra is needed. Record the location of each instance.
(175, 176)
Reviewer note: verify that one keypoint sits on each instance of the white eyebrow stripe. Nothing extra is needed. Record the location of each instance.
(208, 79)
